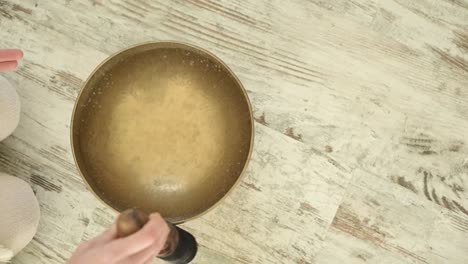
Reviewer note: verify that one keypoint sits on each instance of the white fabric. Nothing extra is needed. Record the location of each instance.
(9, 108)
(5, 254)
(19, 214)
(19, 209)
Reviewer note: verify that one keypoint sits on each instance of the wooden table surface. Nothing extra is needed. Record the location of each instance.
(361, 109)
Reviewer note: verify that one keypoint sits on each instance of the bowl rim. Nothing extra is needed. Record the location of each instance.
(163, 43)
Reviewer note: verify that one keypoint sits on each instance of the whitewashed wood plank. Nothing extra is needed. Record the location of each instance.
(379, 223)
(258, 225)
(375, 85)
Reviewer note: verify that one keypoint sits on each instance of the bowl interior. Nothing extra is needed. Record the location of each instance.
(163, 127)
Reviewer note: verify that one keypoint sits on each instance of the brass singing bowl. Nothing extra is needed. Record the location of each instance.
(166, 127)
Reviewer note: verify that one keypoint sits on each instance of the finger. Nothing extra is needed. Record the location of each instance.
(8, 65)
(10, 55)
(101, 239)
(127, 246)
(145, 255)
(152, 251)
(105, 237)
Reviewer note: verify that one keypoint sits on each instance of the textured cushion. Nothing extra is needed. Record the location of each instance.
(19, 214)
(9, 108)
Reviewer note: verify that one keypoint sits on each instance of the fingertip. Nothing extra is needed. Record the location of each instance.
(157, 218)
(156, 215)
(159, 221)
(15, 54)
(20, 54)
(155, 230)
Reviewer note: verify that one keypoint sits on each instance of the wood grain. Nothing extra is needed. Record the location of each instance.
(361, 123)
(370, 227)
